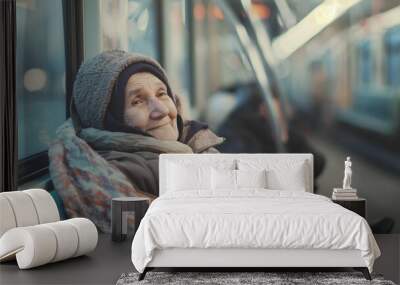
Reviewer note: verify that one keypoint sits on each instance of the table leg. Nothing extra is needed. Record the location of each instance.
(116, 221)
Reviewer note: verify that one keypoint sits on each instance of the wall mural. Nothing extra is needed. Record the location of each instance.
(335, 95)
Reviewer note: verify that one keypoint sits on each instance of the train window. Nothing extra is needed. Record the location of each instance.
(228, 96)
(220, 63)
(392, 44)
(127, 24)
(40, 74)
(176, 48)
(365, 62)
(267, 12)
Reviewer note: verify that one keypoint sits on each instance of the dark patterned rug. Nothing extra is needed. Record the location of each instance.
(225, 278)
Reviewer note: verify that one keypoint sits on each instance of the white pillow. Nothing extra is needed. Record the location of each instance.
(227, 179)
(181, 177)
(281, 174)
(251, 178)
(292, 179)
(223, 179)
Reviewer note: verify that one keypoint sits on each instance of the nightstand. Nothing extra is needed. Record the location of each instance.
(358, 206)
(120, 208)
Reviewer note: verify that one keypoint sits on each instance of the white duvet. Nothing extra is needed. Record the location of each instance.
(252, 218)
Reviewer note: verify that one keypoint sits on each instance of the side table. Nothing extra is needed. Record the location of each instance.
(358, 206)
(120, 207)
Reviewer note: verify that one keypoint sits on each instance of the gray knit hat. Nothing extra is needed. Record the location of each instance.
(95, 81)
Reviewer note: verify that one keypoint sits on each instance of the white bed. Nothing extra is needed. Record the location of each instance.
(248, 227)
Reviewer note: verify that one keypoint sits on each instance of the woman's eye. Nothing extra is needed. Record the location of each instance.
(161, 94)
(136, 102)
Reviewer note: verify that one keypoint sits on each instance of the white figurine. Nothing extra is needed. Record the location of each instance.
(347, 174)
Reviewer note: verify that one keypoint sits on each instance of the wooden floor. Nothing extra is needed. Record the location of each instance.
(110, 260)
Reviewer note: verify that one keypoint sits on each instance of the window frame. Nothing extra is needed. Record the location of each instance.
(192, 53)
(8, 116)
(37, 165)
(158, 4)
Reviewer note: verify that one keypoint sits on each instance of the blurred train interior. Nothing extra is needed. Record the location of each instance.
(319, 76)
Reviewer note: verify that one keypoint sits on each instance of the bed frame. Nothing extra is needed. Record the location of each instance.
(242, 259)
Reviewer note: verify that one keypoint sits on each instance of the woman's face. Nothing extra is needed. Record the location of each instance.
(149, 108)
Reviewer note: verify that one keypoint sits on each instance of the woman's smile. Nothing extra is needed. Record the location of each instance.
(160, 125)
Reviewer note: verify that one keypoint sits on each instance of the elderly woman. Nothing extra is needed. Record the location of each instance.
(123, 115)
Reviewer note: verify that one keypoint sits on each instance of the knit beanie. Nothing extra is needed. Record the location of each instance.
(103, 77)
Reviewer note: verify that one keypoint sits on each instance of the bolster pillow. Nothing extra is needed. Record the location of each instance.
(40, 244)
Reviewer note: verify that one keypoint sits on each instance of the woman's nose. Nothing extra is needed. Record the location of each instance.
(157, 109)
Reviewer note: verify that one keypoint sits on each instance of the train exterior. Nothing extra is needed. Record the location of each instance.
(351, 77)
